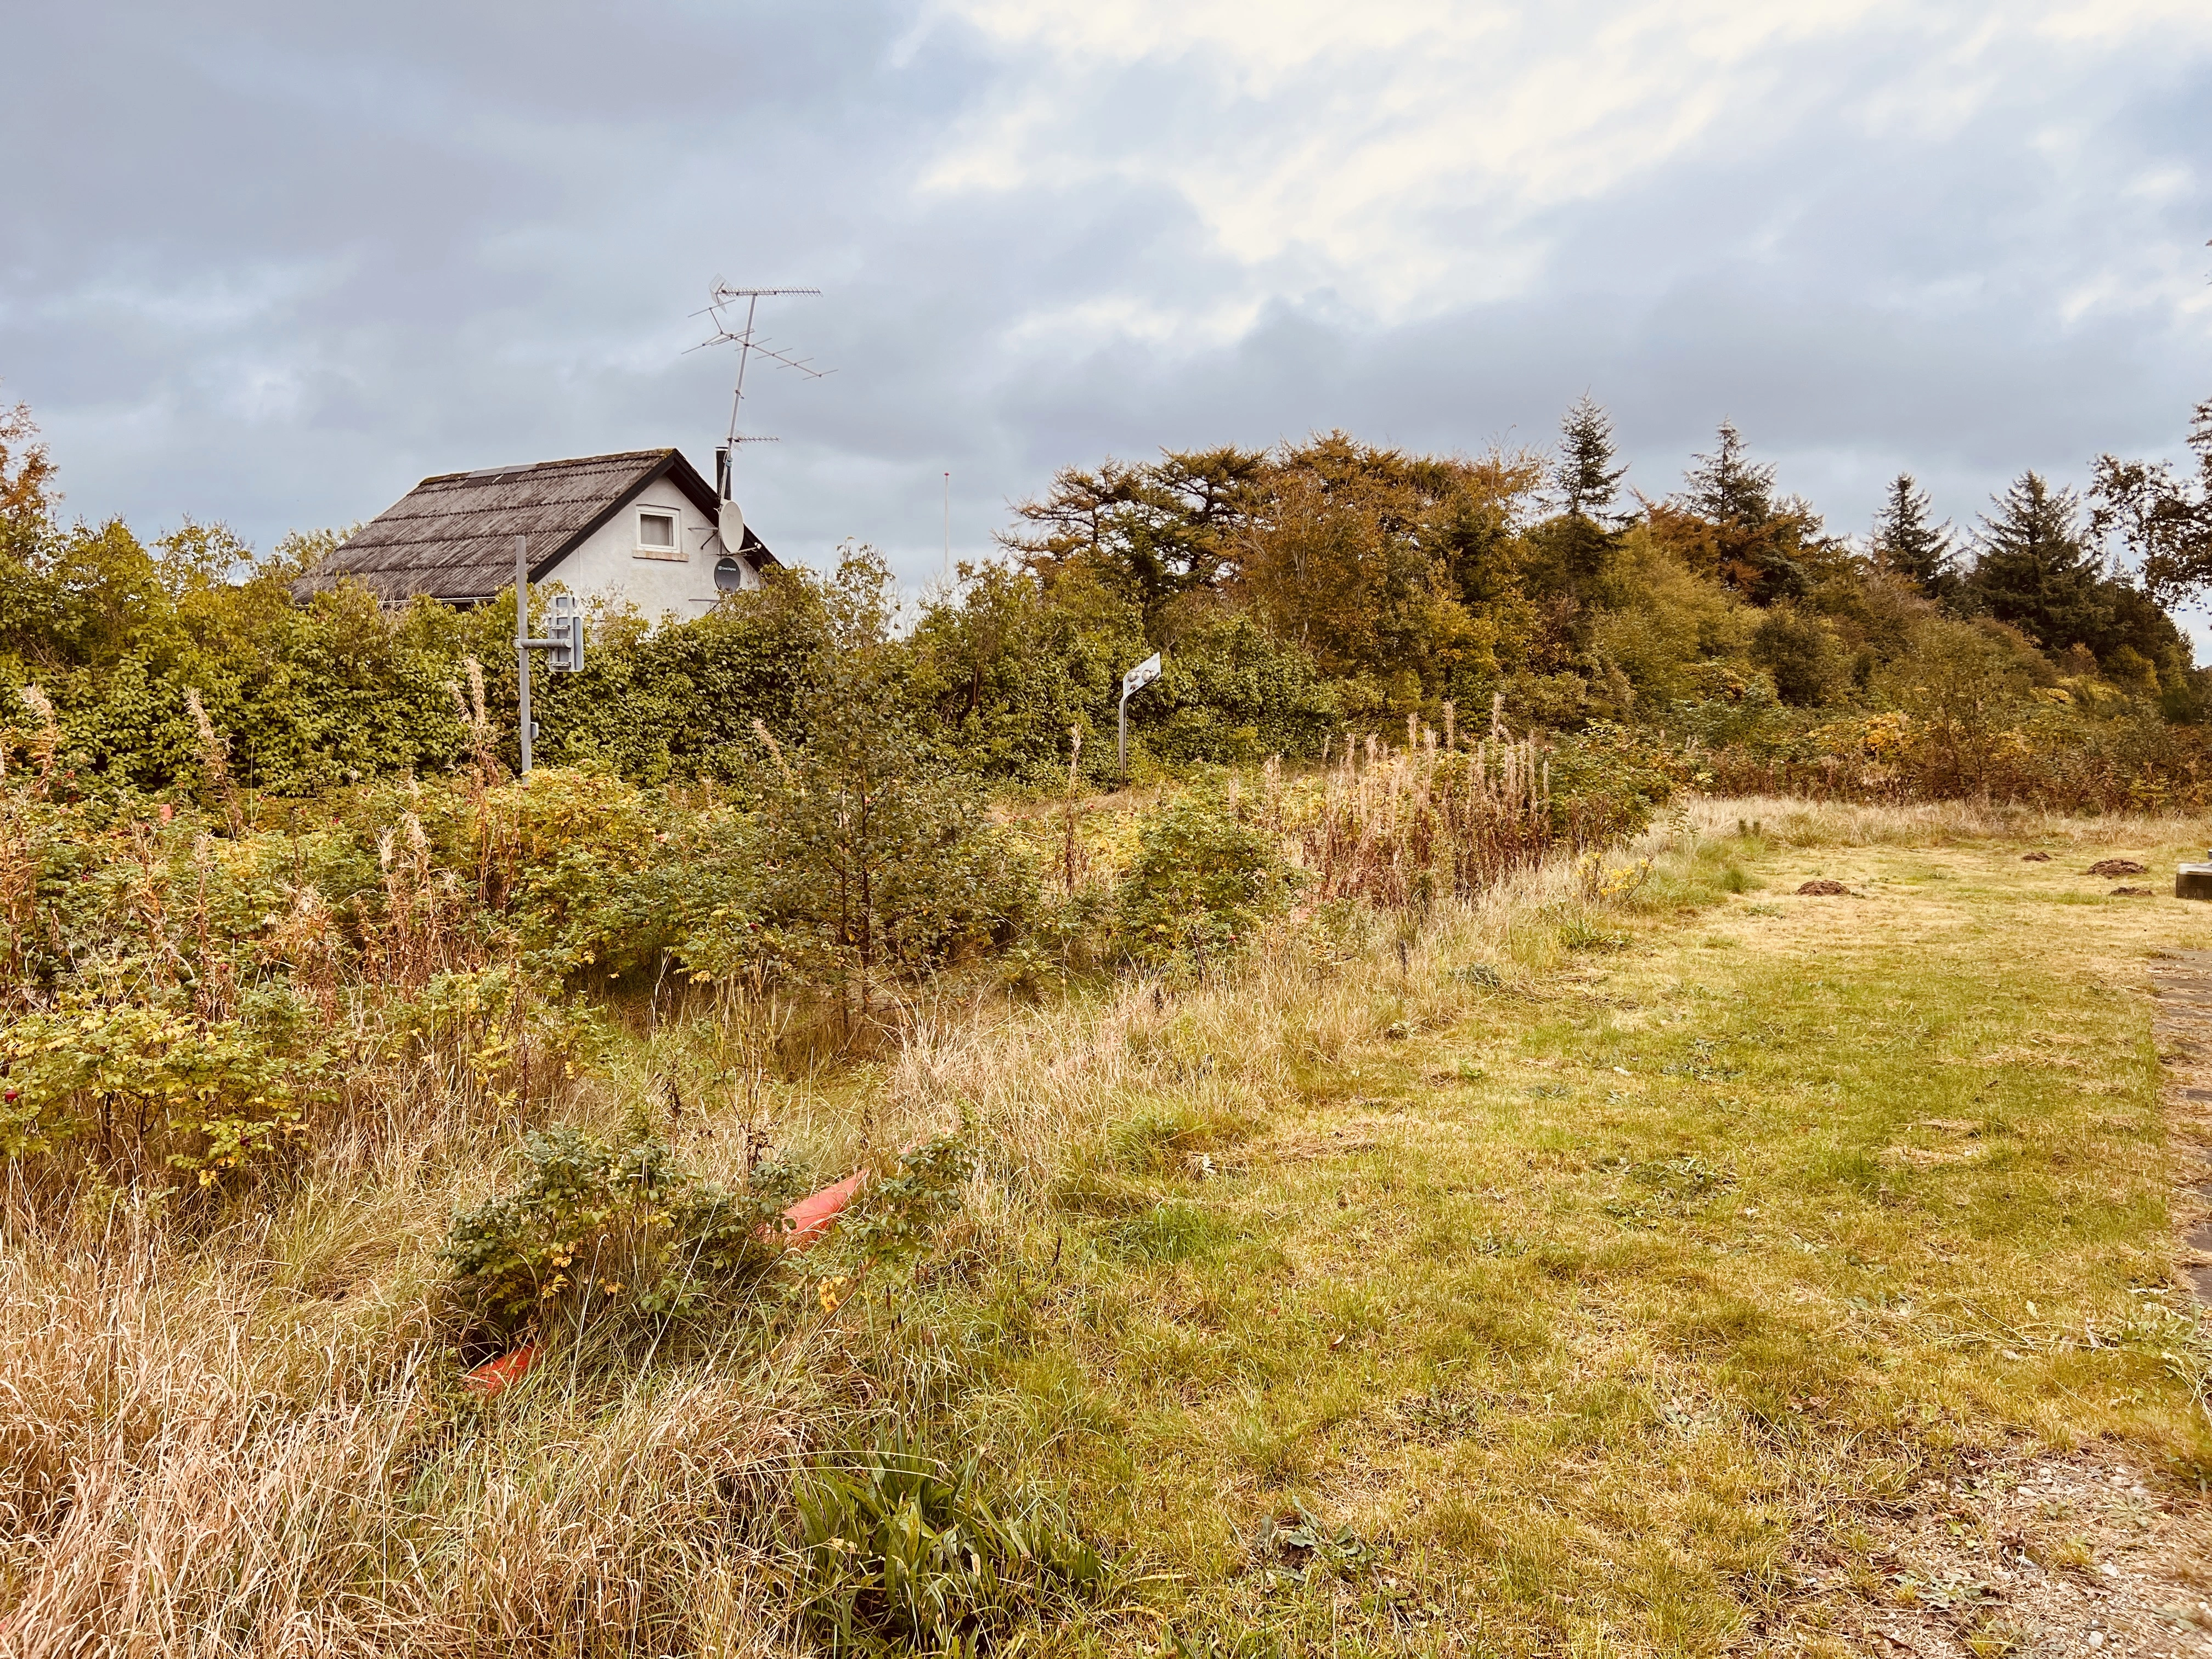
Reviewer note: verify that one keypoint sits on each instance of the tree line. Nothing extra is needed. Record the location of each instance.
(1303, 594)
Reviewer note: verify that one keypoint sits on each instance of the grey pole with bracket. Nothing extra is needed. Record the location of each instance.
(566, 642)
(522, 641)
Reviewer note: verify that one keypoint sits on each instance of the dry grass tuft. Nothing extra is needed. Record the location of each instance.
(1420, 824)
(199, 1462)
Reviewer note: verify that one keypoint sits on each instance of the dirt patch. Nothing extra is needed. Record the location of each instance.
(2117, 867)
(1302, 1149)
(2073, 1553)
(1823, 889)
(1929, 1158)
(2035, 858)
(2134, 892)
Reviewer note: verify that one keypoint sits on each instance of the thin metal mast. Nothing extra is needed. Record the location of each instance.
(750, 344)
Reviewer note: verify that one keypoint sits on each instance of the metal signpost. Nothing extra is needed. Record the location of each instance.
(565, 642)
(1132, 682)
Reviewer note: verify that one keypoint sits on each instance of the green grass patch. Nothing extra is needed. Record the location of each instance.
(1561, 1302)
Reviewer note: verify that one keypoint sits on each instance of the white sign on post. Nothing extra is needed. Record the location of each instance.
(1132, 682)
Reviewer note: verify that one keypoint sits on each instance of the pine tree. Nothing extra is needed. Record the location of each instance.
(1585, 475)
(2033, 570)
(1727, 487)
(1906, 543)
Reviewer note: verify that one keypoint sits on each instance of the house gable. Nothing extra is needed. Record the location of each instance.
(620, 562)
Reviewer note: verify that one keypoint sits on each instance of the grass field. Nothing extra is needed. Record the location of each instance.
(1599, 1306)
(1650, 1259)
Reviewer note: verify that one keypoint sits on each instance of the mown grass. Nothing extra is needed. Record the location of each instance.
(1576, 1256)
(1585, 1301)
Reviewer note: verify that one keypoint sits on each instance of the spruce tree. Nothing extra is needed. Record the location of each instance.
(1727, 487)
(2032, 569)
(1585, 475)
(1755, 541)
(1906, 543)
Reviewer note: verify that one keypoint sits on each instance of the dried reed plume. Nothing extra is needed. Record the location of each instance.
(1412, 828)
(215, 764)
(47, 744)
(1074, 755)
(776, 750)
(475, 721)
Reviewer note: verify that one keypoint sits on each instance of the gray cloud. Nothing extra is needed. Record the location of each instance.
(271, 264)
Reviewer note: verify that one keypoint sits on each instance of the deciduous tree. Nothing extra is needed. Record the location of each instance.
(2161, 517)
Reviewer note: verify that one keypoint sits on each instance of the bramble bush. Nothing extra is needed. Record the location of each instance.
(142, 1085)
(614, 1234)
(606, 1237)
(1201, 884)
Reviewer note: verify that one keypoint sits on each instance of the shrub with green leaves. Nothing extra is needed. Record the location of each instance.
(1607, 782)
(898, 1553)
(1234, 694)
(1201, 884)
(134, 1084)
(872, 863)
(597, 1234)
(898, 1216)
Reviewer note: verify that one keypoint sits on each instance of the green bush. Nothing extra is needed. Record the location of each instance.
(1607, 782)
(678, 702)
(873, 862)
(1232, 693)
(1201, 884)
(897, 1217)
(602, 1234)
(139, 1083)
(1801, 653)
(995, 680)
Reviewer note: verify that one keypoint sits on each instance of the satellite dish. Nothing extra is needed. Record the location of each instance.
(732, 526)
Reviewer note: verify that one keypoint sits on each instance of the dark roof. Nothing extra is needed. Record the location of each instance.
(453, 537)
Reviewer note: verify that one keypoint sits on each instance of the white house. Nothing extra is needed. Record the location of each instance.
(641, 528)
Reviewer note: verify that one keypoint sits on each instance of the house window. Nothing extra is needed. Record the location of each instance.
(729, 575)
(656, 535)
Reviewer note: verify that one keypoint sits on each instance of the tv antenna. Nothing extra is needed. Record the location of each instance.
(721, 303)
(721, 299)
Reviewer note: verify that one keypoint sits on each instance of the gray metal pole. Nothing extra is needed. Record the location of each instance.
(1121, 744)
(522, 640)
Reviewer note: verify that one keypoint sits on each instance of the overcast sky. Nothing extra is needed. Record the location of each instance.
(271, 264)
